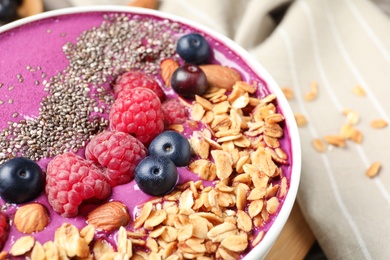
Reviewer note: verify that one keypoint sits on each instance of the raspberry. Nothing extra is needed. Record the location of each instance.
(4, 229)
(134, 79)
(119, 153)
(70, 180)
(174, 112)
(139, 114)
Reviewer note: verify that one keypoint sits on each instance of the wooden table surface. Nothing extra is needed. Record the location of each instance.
(295, 240)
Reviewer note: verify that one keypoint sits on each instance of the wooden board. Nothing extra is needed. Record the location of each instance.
(295, 240)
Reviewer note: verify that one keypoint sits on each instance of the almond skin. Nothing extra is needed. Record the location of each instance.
(109, 216)
(221, 76)
(168, 66)
(31, 218)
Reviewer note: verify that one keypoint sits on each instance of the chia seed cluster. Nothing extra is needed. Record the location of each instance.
(79, 97)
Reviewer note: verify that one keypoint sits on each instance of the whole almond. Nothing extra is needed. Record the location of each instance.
(168, 66)
(109, 216)
(31, 218)
(220, 76)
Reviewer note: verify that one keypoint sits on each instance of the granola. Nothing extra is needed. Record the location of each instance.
(202, 221)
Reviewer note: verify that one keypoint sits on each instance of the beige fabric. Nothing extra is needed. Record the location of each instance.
(339, 44)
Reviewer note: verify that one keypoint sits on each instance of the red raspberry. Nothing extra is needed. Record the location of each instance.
(70, 180)
(139, 114)
(119, 153)
(174, 112)
(4, 229)
(134, 79)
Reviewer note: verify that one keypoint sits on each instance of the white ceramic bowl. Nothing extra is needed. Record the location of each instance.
(261, 249)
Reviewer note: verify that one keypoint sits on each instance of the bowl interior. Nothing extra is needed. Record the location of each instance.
(33, 51)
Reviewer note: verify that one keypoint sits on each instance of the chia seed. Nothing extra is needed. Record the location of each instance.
(78, 99)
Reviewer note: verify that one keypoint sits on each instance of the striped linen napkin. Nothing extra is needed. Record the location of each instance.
(332, 57)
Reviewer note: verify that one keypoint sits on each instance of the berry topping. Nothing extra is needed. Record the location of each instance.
(174, 112)
(4, 229)
(193, 48)
(139, 114)
(172, 145)
(70, 180)
(118, 153)
(134, 79)
(21, 180)
(156, 175)
(189, 80)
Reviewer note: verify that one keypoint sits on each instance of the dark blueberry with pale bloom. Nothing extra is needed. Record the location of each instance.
(172, 145)
(156, 175)
(21, 180)
(193, 48)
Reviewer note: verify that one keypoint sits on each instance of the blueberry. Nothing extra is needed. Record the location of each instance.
(193, 48)
(189, 80)
(21, 180)
(172, 145)
(156, 175)
(8, 10)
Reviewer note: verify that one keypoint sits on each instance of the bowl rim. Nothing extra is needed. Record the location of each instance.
(271, 235)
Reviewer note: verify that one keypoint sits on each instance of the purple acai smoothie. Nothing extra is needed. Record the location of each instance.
(79, 56)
